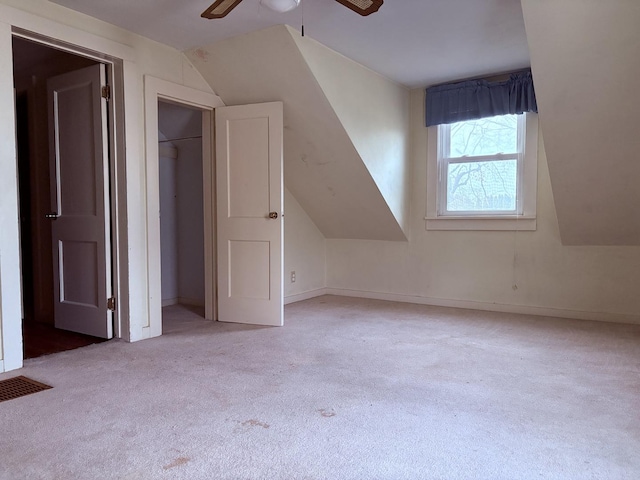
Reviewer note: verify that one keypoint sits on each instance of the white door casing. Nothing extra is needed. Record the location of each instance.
(80, 224)
(157, 89)
(249, 171)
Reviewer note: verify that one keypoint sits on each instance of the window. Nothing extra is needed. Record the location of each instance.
(482, 174)
(478, 164)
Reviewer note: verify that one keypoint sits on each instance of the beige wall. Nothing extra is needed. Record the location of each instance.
(482, 269)
(304, 252)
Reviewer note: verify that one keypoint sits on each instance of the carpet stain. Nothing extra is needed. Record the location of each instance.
(255, 423)
(177, 462)
(327, 413)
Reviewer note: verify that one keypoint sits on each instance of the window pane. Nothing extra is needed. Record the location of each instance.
(485, 136)
(477, 186)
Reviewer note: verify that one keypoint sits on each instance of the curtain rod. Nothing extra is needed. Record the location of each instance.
(178, 139)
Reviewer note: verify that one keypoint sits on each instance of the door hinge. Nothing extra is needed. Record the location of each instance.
(106, 92)
(111, 304)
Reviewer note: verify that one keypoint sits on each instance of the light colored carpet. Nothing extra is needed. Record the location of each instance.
(348, 389)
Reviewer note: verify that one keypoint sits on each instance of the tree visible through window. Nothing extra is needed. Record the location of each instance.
(480, 166)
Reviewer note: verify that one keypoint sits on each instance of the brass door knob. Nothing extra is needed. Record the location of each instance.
(273, 215)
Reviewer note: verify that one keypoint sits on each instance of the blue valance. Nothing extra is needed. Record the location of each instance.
(455, 102)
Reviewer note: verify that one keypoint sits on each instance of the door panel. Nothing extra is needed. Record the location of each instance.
(249, 269)
(74, 129)
(79, 203)
(76, 256)
(249, 188)
(249, 171)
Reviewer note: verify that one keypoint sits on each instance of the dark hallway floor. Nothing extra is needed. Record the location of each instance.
(43, 339)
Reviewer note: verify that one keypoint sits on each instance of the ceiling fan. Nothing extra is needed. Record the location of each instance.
(220, 8)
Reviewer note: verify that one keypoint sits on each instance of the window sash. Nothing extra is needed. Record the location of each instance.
(444, 148)
(482, 158)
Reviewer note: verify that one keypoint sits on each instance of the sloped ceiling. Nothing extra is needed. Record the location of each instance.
(584, 57)
(323, 169)
(178, 121)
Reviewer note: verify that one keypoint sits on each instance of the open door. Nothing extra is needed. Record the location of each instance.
(79, 201)
(250, 225)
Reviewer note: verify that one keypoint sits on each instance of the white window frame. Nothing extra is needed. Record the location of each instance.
(523, 218)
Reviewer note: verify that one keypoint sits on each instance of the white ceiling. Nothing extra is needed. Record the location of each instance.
(414, 42)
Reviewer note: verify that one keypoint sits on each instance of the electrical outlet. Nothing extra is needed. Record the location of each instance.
(293, 276)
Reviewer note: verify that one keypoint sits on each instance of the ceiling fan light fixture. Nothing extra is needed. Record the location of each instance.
(363, 7)
(280, 6)
(221, 8)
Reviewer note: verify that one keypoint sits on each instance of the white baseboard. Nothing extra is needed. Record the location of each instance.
(167, 302)
(182, 301)
(490, 307)
(299, 297)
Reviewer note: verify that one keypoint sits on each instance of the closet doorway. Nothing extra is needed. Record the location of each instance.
(180, 149)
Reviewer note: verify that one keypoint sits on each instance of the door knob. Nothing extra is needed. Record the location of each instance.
(273, 215)
(52, 215)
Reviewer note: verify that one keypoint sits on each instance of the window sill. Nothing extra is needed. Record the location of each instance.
(502, 223)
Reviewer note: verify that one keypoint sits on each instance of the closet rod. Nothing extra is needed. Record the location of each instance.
(177, 139)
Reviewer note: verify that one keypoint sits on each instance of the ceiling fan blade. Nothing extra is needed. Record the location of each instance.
(363, 7)
(220, 8)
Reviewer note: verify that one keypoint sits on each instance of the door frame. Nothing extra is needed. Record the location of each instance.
(156, 89)
(117, 193)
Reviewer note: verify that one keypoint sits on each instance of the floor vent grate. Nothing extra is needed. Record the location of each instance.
(19, 387)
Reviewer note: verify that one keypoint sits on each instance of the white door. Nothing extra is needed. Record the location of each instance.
(80, 231)
(250, 225)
